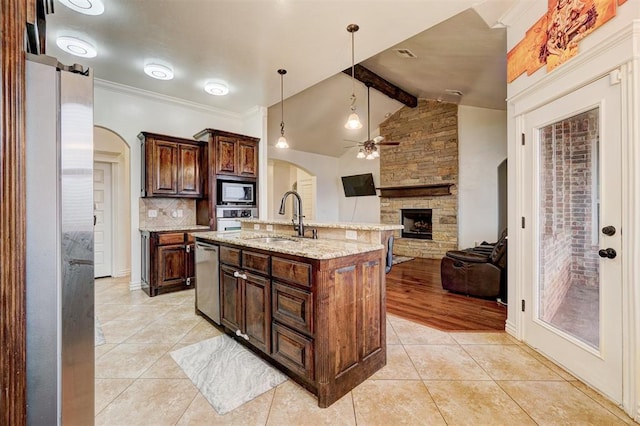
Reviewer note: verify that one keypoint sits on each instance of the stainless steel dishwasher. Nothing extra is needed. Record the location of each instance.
(207, 281)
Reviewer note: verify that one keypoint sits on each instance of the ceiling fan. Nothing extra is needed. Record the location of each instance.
(369, 148)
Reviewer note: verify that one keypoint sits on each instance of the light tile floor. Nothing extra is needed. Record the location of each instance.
(431, 377)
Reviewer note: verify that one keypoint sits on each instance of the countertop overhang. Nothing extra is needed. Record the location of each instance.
(320, 249)
(184, 228)
(337, 225)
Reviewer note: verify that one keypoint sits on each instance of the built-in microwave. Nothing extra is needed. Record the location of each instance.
(236, 192)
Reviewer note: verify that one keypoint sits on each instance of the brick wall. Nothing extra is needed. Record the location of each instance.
(568, 207)
(427, 154)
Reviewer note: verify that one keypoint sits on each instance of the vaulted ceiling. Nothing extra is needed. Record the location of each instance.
(244, 42)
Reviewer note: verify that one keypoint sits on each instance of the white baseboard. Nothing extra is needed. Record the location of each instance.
(135, 285)
(122, 273)
(510, 328)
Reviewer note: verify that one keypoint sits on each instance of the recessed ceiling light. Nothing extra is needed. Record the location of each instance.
(161, 72)
(216, 88)
(87, 7)
(76, 46)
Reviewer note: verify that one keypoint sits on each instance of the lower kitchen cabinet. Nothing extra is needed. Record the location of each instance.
(168, 262)
(245, 304)
(323, 322)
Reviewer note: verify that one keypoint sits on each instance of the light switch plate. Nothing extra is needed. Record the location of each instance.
(350, 234)
(152, 213)
(256, 226)
(179, 212)
(269, 227)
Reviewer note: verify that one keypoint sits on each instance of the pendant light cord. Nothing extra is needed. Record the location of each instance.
(368, 114)
(282, 104)
(282, 72)
(353, 67)
(352, 28)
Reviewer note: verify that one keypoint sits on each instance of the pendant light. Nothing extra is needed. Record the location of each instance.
(282, 141)
(353, 122)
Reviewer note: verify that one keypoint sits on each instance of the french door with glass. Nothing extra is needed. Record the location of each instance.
(573, 289)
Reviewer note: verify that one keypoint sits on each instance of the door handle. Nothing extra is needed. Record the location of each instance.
(609, 230)
(608, 253)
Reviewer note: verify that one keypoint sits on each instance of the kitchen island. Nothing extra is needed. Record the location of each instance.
(314, 308)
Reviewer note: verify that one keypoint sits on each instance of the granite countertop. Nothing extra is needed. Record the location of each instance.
(306, 247)
(337, 225)
(179, 228)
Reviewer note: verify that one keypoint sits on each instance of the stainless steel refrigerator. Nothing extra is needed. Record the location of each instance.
(60, 284)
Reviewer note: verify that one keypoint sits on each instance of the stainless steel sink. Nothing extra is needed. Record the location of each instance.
(279, 240)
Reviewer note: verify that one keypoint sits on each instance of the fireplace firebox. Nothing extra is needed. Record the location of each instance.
(417, 223)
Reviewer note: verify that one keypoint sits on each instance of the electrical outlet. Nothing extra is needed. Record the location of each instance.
(174, 213)
(179, 213)
(152, 213)
(256, 226)
(269, 227)
(350, 234)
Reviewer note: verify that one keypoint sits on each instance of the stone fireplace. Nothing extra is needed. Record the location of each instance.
(427, 157)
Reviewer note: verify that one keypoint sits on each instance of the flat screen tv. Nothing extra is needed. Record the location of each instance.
(358, 185)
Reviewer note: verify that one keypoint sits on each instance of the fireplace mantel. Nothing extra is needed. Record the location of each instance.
(431, 190)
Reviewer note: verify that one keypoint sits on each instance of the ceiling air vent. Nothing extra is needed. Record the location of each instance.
(405, 53)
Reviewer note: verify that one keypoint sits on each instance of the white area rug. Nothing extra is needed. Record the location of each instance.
(99, 335)
(400, 259)
(226, 373)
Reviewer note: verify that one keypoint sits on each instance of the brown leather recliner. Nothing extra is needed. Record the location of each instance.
(479, 271)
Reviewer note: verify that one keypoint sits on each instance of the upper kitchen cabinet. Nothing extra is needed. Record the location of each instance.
(171, 166)
(230, 153)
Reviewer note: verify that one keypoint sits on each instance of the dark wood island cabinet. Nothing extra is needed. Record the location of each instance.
(321, 321)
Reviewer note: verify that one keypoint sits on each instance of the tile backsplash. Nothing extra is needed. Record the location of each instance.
(168, 212)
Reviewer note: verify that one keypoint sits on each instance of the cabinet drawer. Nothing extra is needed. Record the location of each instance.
(255, 262)
(293, 307)
(173, 238)
(230, 256)
(293, 350)
(292, 271)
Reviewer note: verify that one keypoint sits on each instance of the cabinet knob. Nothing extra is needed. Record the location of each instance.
(238, 333)
(236, 274)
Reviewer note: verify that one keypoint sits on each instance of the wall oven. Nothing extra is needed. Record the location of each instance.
(228, 217)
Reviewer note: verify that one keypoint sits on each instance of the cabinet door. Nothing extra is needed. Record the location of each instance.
(226, 155)
(293, 350)
(172, 265)
(230, 298)
(189, 170)
(257, 311)
(164, 173)
(247, 159)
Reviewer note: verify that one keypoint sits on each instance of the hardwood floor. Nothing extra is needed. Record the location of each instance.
(414, 292)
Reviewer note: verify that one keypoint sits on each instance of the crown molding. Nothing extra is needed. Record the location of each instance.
(129, 90)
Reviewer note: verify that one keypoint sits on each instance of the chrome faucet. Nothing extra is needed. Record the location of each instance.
(298, 213)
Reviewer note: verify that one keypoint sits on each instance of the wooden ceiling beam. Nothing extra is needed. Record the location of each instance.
(371, 79)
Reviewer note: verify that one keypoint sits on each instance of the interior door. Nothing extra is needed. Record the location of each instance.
(573, 290)
(102, 229)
